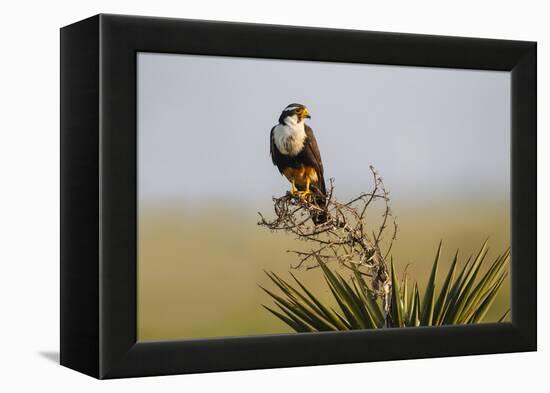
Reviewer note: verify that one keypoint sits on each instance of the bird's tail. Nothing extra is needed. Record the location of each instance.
(320, 199)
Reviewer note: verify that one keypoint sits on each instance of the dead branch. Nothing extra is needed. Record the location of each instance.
(345, 237)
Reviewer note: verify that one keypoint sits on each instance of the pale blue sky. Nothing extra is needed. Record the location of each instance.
(204, 122)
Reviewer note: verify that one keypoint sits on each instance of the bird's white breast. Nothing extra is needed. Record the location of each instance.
(289, 137)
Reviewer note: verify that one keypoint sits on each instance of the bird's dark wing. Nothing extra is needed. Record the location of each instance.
(276, 156)
(312, 156)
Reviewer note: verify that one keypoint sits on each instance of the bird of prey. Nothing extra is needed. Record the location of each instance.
(295, 153)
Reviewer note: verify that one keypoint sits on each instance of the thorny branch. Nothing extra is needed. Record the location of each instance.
(344, 237)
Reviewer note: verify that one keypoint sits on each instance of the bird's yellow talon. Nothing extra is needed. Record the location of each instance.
(307, 191)
(306, 194)
(293, 189)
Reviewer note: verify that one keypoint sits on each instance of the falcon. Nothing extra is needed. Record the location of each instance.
(294, 151)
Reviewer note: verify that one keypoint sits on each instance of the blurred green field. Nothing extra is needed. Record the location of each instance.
(199, 269)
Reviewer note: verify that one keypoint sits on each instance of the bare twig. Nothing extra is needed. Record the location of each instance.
(343, 237)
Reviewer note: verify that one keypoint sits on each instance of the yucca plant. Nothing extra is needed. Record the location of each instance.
(462, 298)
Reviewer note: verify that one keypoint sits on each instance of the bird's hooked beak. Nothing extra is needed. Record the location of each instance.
(305, 114)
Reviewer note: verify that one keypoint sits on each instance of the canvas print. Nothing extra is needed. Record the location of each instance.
(288, 197)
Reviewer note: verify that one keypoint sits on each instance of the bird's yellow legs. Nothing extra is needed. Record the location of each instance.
(302, 194)
(301, 175)
(307, 192)
(293, 189)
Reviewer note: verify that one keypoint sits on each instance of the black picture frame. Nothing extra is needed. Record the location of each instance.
(98, 195)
